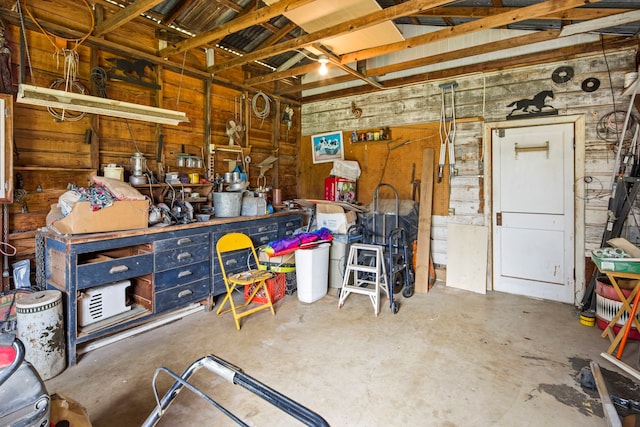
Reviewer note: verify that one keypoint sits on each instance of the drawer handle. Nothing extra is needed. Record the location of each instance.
(118, 269)
(184, 241)
(264, 239)
(261, 229)
(288, 233)
(185, 293)
(184, 274)
(183, 255)
(289, 224)
(231, 262)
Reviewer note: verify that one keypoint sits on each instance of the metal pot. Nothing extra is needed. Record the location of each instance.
(227, 204)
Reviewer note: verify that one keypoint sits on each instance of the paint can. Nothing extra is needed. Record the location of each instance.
(41, 330)
(587, 319)
(194, 178)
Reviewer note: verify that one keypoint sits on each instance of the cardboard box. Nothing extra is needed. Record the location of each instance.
(339, 189)
(334, 218)
(121, 215)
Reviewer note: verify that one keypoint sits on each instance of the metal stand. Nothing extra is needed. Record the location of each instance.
(234, 375)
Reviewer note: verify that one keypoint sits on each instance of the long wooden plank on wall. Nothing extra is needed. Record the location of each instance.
(424, 221)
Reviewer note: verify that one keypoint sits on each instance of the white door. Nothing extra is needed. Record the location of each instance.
(533, 211)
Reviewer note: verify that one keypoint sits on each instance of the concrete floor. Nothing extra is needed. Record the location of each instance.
(448, 358)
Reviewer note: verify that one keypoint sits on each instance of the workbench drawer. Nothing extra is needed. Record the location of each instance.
(113, 270)
(166, 260)
(181, 275)
(234, 261)
(263, 234)
(179, 242)
(288, 227)
(179, 296)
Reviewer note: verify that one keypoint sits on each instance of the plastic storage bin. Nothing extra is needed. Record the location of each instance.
(312, 272)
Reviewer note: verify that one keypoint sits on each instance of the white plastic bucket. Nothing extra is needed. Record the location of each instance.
(41, 330)
(312, 272)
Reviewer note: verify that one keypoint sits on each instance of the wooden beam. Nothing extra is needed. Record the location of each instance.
(279, 75)
(485, 67)
(366, 21)
(427, 60)
(600, 23)
(333, 59)
(577, 14)
(173, 14)
(278, 35)
(466, 52)
(125, 15)
(252, 18)
(520, 14)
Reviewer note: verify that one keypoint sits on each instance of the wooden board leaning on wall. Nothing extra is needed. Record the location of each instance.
(390, 161)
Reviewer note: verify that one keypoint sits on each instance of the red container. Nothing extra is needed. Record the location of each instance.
(606, 299)
(339, 189)
(276, 287)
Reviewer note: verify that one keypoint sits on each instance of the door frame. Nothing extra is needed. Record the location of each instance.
(578, 122)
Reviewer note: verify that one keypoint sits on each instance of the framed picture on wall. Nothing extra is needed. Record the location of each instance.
(327, 147)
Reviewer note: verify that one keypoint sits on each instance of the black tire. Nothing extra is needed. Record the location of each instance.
(397, 282)
(408, 290)
(395, 308)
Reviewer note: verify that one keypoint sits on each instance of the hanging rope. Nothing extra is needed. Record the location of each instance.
(264, 113)
(52, 37)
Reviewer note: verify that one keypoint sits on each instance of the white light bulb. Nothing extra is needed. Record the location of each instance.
(323, 69)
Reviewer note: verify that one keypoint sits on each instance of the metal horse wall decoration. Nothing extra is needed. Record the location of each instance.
(538, 105)
(132, 71)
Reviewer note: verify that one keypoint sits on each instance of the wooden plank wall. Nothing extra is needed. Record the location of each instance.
(486, 96)
(51, 154)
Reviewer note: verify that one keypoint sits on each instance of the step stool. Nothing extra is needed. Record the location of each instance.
(372, 271)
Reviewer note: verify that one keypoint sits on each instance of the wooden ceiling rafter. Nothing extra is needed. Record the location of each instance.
(124, 15)
(255, 17)
(520, 14)
(530, 59)
(177, 10)
(390, 13)
(278, 35)
(450, 56)
(577, 14)
(335, 60)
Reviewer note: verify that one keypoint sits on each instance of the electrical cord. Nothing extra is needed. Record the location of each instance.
(99, 78)
(266, 110)
(62, 114)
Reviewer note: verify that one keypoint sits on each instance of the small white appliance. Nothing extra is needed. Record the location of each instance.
(102, 302)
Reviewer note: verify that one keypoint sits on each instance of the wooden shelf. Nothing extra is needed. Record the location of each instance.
(52, 169)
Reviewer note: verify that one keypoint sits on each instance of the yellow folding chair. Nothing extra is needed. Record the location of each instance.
(235, 242)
